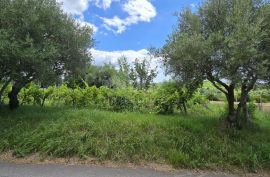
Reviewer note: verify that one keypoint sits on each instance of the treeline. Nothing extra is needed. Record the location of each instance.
(138, 74)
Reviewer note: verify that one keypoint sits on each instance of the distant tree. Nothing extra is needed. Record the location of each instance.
(226, 42)
(140, 75)
(101, 75)
(124, 70)
(39, 42)
(144, 73)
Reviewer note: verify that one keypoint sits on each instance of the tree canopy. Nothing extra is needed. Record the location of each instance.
(39, 42)
(101, 75)
(226, 42)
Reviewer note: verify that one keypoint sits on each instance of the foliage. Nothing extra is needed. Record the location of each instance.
(198, 99)
(211, 92)
(120, 103)
(260, 95)
(140, 76)
(165, 99)
(4, 94)
(34, 94)
(173, 95)
(101, 76)
(191, 141)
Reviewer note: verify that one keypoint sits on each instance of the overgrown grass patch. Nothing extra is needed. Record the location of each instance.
(191, 141)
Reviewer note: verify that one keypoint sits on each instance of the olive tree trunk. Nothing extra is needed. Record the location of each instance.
(13, 95)
(231, 108)
(240, 115)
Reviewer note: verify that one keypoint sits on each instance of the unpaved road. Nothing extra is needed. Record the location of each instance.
(26, 170)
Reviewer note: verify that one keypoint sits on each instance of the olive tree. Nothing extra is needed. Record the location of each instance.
(226, 42)
(39, 42)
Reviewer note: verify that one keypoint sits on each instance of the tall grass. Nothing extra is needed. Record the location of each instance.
(196, 140)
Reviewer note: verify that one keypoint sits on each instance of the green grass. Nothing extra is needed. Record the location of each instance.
(194, 141)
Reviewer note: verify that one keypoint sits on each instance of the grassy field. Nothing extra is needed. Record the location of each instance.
(197, 140)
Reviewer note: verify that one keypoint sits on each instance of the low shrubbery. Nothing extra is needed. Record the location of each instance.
(260, 95)
(163, 99)
(103, 98)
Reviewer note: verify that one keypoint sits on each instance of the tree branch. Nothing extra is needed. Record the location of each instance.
(218, 87)
(211, 77)
(213, 80)
(223, 84)
(252, 83)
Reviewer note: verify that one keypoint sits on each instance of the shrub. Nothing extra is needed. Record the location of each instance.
(120, 103)
(260, 95)
(173, 95)
(61, 96)
(31, 94)
(165, 104)
(198, 99)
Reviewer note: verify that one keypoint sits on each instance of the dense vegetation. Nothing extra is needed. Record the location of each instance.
(196, 140)
(165, 98)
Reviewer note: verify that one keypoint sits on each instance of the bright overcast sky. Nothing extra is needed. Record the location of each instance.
(127, 27)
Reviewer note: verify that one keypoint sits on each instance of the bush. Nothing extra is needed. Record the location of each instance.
(260, 95)
(165, 105)
(32, 94)
(198, 99)
(173, 95)
(120, 103)
(166, 99)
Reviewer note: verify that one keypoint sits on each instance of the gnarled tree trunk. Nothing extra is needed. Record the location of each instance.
(242, 113)
(238, 116)
(230, 99)
(13, 95)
